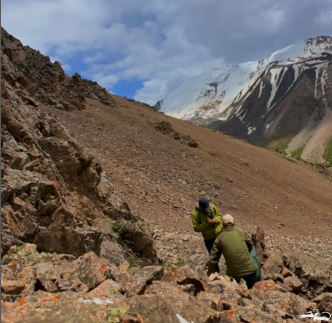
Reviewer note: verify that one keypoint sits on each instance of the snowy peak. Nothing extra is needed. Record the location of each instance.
(312, 47)
(212, 92)
(275, 96)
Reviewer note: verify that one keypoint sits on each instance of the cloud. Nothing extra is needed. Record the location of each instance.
(159, 43)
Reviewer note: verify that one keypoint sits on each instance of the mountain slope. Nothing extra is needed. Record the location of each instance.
(162, 165)
(286, 97)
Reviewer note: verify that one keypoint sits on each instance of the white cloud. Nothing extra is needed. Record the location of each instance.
(161, 42)
(94, 58)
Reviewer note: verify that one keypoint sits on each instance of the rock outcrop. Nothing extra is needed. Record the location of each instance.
(53, 194)
(46, 81)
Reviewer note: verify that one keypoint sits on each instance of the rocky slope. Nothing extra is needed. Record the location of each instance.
(39, 287)
(283, 102)
(53, 193)
(47, 82)
(71, 248)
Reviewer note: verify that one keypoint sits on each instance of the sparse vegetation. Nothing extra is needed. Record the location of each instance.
(275, 144)
(122, 230)
(297, 152)
(328, 153)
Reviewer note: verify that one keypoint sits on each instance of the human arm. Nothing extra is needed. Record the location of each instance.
(217, 215)
(247, 240)
(198, 227)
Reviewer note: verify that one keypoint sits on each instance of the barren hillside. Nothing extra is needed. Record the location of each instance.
(162, 177)
(161, 165)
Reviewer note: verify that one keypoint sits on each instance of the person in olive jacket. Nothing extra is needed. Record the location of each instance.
(236, 246)
(207, 219)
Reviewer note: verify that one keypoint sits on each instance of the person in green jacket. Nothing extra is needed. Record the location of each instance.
(207, 219)
(236, 246)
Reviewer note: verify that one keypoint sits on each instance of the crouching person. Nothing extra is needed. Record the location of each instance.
(235, 245)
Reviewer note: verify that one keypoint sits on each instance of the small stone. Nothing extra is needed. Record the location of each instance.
(124, 267)
(286, 272)
(294, 283)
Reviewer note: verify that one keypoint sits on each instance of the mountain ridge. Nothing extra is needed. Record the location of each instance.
(224, 99)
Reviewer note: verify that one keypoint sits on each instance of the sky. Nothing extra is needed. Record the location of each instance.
(144, 49)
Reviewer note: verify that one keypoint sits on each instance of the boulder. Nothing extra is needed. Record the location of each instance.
(263, 286)
(273, 265)
(294, 265)
(92, 269)
(324, 302)
(184, 275)
(212, 300)
(12, 287)
(135, 280)
(109, 289)
(293, 283)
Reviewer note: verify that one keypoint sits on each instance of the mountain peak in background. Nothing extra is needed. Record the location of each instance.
(283, 102)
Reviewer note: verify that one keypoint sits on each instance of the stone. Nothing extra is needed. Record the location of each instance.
(124, 267)
(109, 289)
(92, 270)
(29, 248)
(184, 275)
(294, 265)
(273, 265)
(282, 287)
(71, 284)
(264, 286)
(135, 280)
(325, 303)
(294, 283)
(260, 244)
(286, 272)
(278, 278)
(12, 287)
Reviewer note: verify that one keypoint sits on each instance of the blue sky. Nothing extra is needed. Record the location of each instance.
(144, 49)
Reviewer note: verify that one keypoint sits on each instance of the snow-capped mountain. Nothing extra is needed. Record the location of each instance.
(285, 99)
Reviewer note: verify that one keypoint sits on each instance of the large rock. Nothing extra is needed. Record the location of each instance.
(183, 276)
(293, 283)
(294, 265)
(215, 301)
(92, 270)
(273, 265)
(324, 302)
(135, 280)
(108, 289)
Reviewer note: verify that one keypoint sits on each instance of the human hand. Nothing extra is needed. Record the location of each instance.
(211, 221)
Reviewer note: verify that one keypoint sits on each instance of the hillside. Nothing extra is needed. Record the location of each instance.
(282, 102)
(158, 168)
(97, 193)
